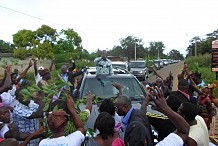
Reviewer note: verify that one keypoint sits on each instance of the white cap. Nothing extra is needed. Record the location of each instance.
(41, 68)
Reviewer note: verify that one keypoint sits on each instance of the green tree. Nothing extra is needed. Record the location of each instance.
(43, 50)
(175, 54)
(20, 53)
(69, 41)
(155, 48)
(46, 34)
(203, 45)
(128, 46)
(6, 47)
(116, 51)
(45, 39)
(24, 39)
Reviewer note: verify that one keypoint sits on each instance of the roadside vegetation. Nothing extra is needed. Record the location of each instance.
(202, 64)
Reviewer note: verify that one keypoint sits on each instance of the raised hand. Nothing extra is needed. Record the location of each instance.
(117, 85)
(70, 103)
(8, 70)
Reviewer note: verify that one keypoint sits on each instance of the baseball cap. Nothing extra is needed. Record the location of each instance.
(45, 71)
(41, 68)
(63, 67)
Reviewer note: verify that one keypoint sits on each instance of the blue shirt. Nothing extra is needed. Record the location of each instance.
(202, 84)
(126, 118)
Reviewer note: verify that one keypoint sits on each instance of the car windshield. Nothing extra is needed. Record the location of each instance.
(123, 66)
(137, 65)
(103, 88)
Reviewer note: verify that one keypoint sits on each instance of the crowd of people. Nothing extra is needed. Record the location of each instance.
(181, 117)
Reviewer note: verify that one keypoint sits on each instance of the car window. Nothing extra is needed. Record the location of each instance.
(137, 64)
(119, 66)
(102, 87)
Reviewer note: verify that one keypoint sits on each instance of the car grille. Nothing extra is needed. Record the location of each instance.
(135, 72)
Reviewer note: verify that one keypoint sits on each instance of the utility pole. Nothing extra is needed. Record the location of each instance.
(135, 51)
(195, 48)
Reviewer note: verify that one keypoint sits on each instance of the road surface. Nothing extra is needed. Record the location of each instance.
(175, 68)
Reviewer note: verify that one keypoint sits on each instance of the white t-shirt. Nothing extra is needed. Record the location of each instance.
(199, 132)
(74, 139)
(171, 140)
(3, 131)
(38, 78)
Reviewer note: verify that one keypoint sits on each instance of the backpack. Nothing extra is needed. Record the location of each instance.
(137, 134)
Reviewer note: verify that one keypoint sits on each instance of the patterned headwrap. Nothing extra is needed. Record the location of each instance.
(56, 119)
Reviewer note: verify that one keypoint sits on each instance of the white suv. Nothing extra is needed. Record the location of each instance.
(120, 64)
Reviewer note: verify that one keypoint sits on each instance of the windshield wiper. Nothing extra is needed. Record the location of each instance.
(99, 79)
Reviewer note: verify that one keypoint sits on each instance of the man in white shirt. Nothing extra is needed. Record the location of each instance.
(38, 71)
(57, 122)
(198, 133)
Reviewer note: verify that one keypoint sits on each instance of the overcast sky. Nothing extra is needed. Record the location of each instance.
(101, 23)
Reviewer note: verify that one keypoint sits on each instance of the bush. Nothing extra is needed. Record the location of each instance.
(202, 60)
(202, 63)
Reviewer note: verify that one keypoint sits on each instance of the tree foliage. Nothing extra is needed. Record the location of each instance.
(24, 39)
(203, 45)
(69, 41)
(20, 53)
(154, 49)
(6, 47)
(175, 54)
(46, 34)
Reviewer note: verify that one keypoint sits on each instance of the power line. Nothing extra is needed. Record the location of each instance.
(30, 15)
(34, 17)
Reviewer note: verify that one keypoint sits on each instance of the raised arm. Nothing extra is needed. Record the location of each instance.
(73, 65)
(118, 87)
(76, 120)
(7, 82)
(89, 101)
(145, 103)
(193, 83)
(155, 72)
(182, 127)
(25, 71)
(52, 63)
(35, 66)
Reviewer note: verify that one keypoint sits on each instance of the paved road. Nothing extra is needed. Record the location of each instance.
(175, 68)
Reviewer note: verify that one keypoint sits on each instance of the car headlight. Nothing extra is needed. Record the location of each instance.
(141, 71)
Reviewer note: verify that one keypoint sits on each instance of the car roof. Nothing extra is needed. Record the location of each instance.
(118, 62)
(110, 76)
(138, 61)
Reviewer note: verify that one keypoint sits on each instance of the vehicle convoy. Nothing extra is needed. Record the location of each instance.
(139, 70)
